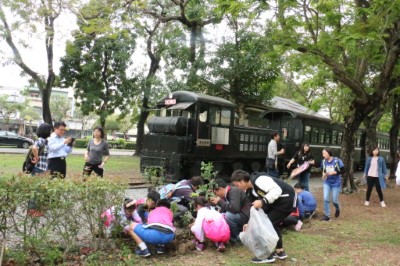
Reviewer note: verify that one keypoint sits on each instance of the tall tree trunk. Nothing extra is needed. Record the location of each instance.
(46, 106)
(394, 133)
(371, 123)
(144, 113)
(193, 37)
(352, 123)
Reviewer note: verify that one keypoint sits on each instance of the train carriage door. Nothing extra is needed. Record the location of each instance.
(203, 126)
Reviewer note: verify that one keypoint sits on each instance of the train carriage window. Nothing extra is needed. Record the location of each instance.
(322, 135)
(285, 133)
(334, 136)
(314, 135)
(340, 137)
(328, 137)
(215, 115)
(203, 116)
(307, 134)
(225, 117)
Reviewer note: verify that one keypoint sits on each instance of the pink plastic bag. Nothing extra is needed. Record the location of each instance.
(216, 228)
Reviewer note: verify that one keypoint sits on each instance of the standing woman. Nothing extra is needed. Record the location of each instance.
(332, 168)
(39, 149)
(375, 171)
(304, 155)
(97, 148)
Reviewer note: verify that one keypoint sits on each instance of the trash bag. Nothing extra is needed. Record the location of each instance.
(260, 236)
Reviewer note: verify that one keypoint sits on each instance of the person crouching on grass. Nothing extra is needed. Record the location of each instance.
(158, 231)
(209, 224)
(274, 196)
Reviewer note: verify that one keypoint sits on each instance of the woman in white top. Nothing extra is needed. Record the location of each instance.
(398, 169)
(376, 173)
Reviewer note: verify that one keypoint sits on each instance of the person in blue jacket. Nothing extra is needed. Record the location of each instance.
(305, 201)
(376, 173)
(332, 169)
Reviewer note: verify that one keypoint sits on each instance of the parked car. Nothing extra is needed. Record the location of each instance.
(8, 138)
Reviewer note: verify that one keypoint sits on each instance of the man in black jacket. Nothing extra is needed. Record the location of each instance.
(235, 204)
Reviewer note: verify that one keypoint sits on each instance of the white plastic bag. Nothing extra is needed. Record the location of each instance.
(260, 236)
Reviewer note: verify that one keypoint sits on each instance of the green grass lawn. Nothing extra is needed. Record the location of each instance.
(116, 166)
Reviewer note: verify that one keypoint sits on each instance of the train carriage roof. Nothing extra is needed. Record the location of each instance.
(184, 99)
(286, 106)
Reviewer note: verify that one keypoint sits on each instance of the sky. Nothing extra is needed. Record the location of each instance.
(34, 55)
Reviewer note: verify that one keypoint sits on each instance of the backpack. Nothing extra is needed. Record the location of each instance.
(165, 190)
(27, 165)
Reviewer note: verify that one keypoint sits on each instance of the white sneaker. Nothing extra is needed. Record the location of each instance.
(298, 225)
(383, 204)
(366, 203)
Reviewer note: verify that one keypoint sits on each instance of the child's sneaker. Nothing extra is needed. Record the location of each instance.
(221, 247)
(160, 249)
(366, 203)
(383, 204)
(280, 255)
(143, 253)
(270, 259)
(200, 246)
(298, 225)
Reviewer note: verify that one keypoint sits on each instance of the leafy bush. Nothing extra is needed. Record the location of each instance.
(113, 144)
(81, 143)
(70, 208)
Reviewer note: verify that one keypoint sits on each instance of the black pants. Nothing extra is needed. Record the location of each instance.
(57, 167)
(277, 217)
(88, 168)
(290, 220)
(371, 182)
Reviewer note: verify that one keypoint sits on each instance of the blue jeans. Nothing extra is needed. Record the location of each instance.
(235, 223)
(335, 198)
(304, 178)
(273, 172)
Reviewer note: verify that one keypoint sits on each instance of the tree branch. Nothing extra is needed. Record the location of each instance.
(339, 73)
(17, 55)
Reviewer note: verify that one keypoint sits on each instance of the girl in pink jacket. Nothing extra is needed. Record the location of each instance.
(209, 224)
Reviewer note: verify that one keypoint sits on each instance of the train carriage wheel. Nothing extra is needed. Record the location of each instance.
(237, 165)
(255, 166)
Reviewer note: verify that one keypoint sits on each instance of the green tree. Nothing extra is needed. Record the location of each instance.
(27, 16)
(245, 65)
(9, 109)
(359, 41)
(96, 63)
(60, 106)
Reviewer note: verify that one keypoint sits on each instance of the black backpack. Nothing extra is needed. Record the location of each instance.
(27, 165)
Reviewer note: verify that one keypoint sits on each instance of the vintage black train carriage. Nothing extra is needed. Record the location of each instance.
(297, 125)
(189, 128)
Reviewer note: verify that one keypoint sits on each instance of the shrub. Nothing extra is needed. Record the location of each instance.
(70, 207)
(81, 143)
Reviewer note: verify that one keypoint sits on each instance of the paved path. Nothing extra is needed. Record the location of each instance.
(74, 151)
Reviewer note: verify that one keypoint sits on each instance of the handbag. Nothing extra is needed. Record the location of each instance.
(270, 163)
(27, 165)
